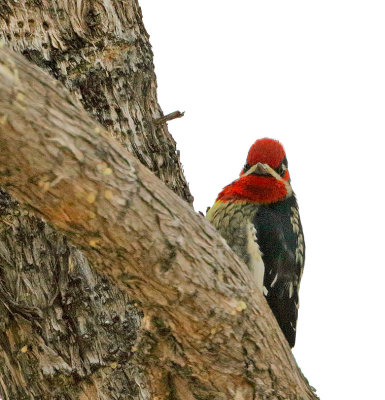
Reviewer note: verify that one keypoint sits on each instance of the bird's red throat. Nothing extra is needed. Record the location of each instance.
(255, 189)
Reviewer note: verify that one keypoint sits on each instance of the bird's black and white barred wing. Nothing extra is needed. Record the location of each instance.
(280, 237)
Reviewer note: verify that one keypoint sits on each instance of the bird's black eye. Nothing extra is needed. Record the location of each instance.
(281, 170)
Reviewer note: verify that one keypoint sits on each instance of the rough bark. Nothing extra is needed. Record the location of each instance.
(206, 332)
(66, 332)
(99, 49)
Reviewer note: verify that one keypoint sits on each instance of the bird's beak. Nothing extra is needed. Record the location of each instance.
(259, 169)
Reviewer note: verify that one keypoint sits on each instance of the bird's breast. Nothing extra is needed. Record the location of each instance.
(234, 223)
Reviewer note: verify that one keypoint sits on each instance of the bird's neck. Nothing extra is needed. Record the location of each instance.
(255, 189)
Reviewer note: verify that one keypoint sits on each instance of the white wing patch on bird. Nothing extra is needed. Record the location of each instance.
(291, 289)
(274, 280)
(256, 264)
(294, 219)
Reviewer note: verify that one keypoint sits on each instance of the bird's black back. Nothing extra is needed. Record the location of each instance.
(280, 238)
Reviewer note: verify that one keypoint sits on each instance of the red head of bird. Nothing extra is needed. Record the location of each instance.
(264, 178)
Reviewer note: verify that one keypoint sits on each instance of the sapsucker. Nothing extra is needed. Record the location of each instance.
(258, 216)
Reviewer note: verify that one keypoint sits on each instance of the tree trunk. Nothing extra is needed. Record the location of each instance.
(162, 309)
(66, 332)
(99, 49)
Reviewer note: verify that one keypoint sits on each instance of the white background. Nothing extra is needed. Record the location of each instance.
(311, 74)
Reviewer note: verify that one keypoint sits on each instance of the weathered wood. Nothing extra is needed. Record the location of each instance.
(207, 332)
(99, 49)
(66, 332)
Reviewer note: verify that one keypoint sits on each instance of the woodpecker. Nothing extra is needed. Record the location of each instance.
(258, 216)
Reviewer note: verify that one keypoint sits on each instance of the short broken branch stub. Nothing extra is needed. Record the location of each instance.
(168, 117)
